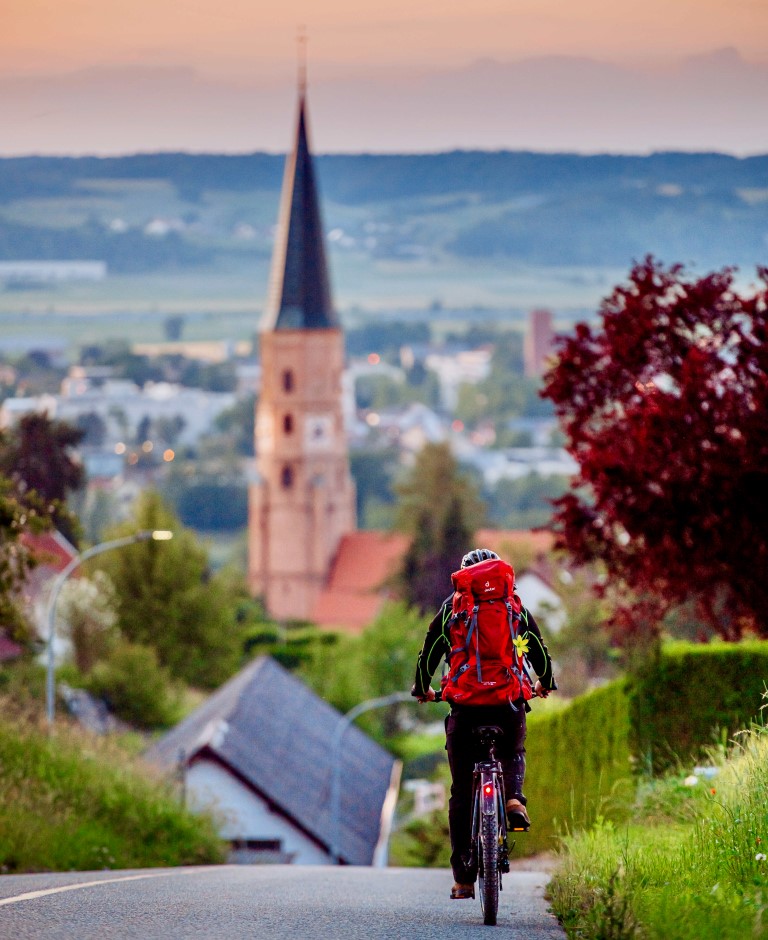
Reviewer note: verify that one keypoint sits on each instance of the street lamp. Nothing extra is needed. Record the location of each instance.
(340, 730)
(157, 535)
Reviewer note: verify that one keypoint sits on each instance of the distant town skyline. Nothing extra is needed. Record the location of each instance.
(84, 76)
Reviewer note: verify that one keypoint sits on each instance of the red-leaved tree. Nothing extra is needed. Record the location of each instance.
(665, 409)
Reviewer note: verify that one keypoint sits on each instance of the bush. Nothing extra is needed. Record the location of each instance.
(693, 695)
(136, 687)
(578, 765)
(691, 865)
(379, 661)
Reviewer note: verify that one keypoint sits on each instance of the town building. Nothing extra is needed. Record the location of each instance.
(286, 776)
(539, 342)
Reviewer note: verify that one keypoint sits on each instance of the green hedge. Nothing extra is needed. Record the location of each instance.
(693, 696)
(583, 760)
(578, 761)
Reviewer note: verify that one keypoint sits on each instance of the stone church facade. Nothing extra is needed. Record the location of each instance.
(302, 498)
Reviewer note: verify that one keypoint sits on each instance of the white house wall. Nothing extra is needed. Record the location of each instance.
(542, 601)
(242, 814)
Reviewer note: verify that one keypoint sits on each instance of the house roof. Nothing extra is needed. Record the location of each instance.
(505, 541)
(52, 553)
(49, 548)
(357, 583)
(300, 294)
(366, 560)
(275, 734)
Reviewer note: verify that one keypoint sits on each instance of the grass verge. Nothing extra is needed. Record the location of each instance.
(75, 802)
(689, 865)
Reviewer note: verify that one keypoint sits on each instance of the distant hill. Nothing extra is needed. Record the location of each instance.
(157, 211)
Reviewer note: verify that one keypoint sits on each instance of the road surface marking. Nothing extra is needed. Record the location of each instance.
(31, 895)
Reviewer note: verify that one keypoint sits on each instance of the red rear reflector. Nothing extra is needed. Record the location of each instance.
(488, 789)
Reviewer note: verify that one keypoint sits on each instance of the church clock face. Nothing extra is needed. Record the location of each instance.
(318, 433)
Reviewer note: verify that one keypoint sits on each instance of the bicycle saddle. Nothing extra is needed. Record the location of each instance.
(489, 732)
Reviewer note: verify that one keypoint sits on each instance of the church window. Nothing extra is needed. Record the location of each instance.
(286, 477)
(288, 424)
(288, 380)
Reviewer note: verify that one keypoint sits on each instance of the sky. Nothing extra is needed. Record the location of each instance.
(63, 61)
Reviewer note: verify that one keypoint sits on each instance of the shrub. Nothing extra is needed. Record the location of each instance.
(691, 865)
(136, 687)
(578, 765)
(693, 695)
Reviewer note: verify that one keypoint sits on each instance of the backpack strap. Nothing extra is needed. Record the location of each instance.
(513, 618)
(473, 628)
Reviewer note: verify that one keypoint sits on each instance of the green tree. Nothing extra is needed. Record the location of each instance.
(167, 599)
(379, 661)
(525, 502)
(15, 560)
(38, 455)
(440, 509)
(87, 615)
(373, 471)
(390, 648)
(237, 423)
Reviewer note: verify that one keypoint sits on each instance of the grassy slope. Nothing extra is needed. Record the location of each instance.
(690, 865)
(75, 802)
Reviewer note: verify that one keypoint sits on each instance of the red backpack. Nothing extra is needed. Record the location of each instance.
(485, 662)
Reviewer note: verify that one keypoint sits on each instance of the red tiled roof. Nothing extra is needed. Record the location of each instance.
(49, 548)
(366, 560)
(357, 584)
(505, 541)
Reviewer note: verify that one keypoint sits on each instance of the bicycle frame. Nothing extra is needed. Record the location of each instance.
(489, 828)
(488, 799)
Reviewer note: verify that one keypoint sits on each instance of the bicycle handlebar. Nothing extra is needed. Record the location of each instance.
(439, 694)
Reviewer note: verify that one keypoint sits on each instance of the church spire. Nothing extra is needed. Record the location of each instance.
(300, 295)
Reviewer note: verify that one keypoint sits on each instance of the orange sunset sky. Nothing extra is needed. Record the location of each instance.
(246, 38)
(248, 44)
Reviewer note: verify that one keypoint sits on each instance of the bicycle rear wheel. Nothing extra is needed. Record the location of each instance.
(488, 875)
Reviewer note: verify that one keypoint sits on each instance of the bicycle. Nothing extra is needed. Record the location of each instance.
(489, 851)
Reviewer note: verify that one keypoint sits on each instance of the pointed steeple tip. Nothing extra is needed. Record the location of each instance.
(300, 294)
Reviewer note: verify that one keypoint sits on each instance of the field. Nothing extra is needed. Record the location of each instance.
(455, 237)
(226, 301)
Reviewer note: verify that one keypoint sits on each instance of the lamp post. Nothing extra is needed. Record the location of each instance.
(341, 728)
(158, 535)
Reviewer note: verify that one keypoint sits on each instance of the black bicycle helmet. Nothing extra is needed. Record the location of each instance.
(476, 556)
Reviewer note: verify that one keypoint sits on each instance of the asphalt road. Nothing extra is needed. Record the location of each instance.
(265, 903)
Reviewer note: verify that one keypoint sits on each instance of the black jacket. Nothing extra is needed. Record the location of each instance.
(437, 644)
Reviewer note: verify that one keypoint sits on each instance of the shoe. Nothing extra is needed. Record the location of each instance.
(517, 817)
(462, 892)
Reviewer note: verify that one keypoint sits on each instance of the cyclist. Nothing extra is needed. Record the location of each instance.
(462, 744)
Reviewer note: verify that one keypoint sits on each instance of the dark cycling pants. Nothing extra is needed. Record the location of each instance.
(463, 753)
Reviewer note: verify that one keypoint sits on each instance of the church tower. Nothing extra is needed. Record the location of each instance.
(302, 500)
